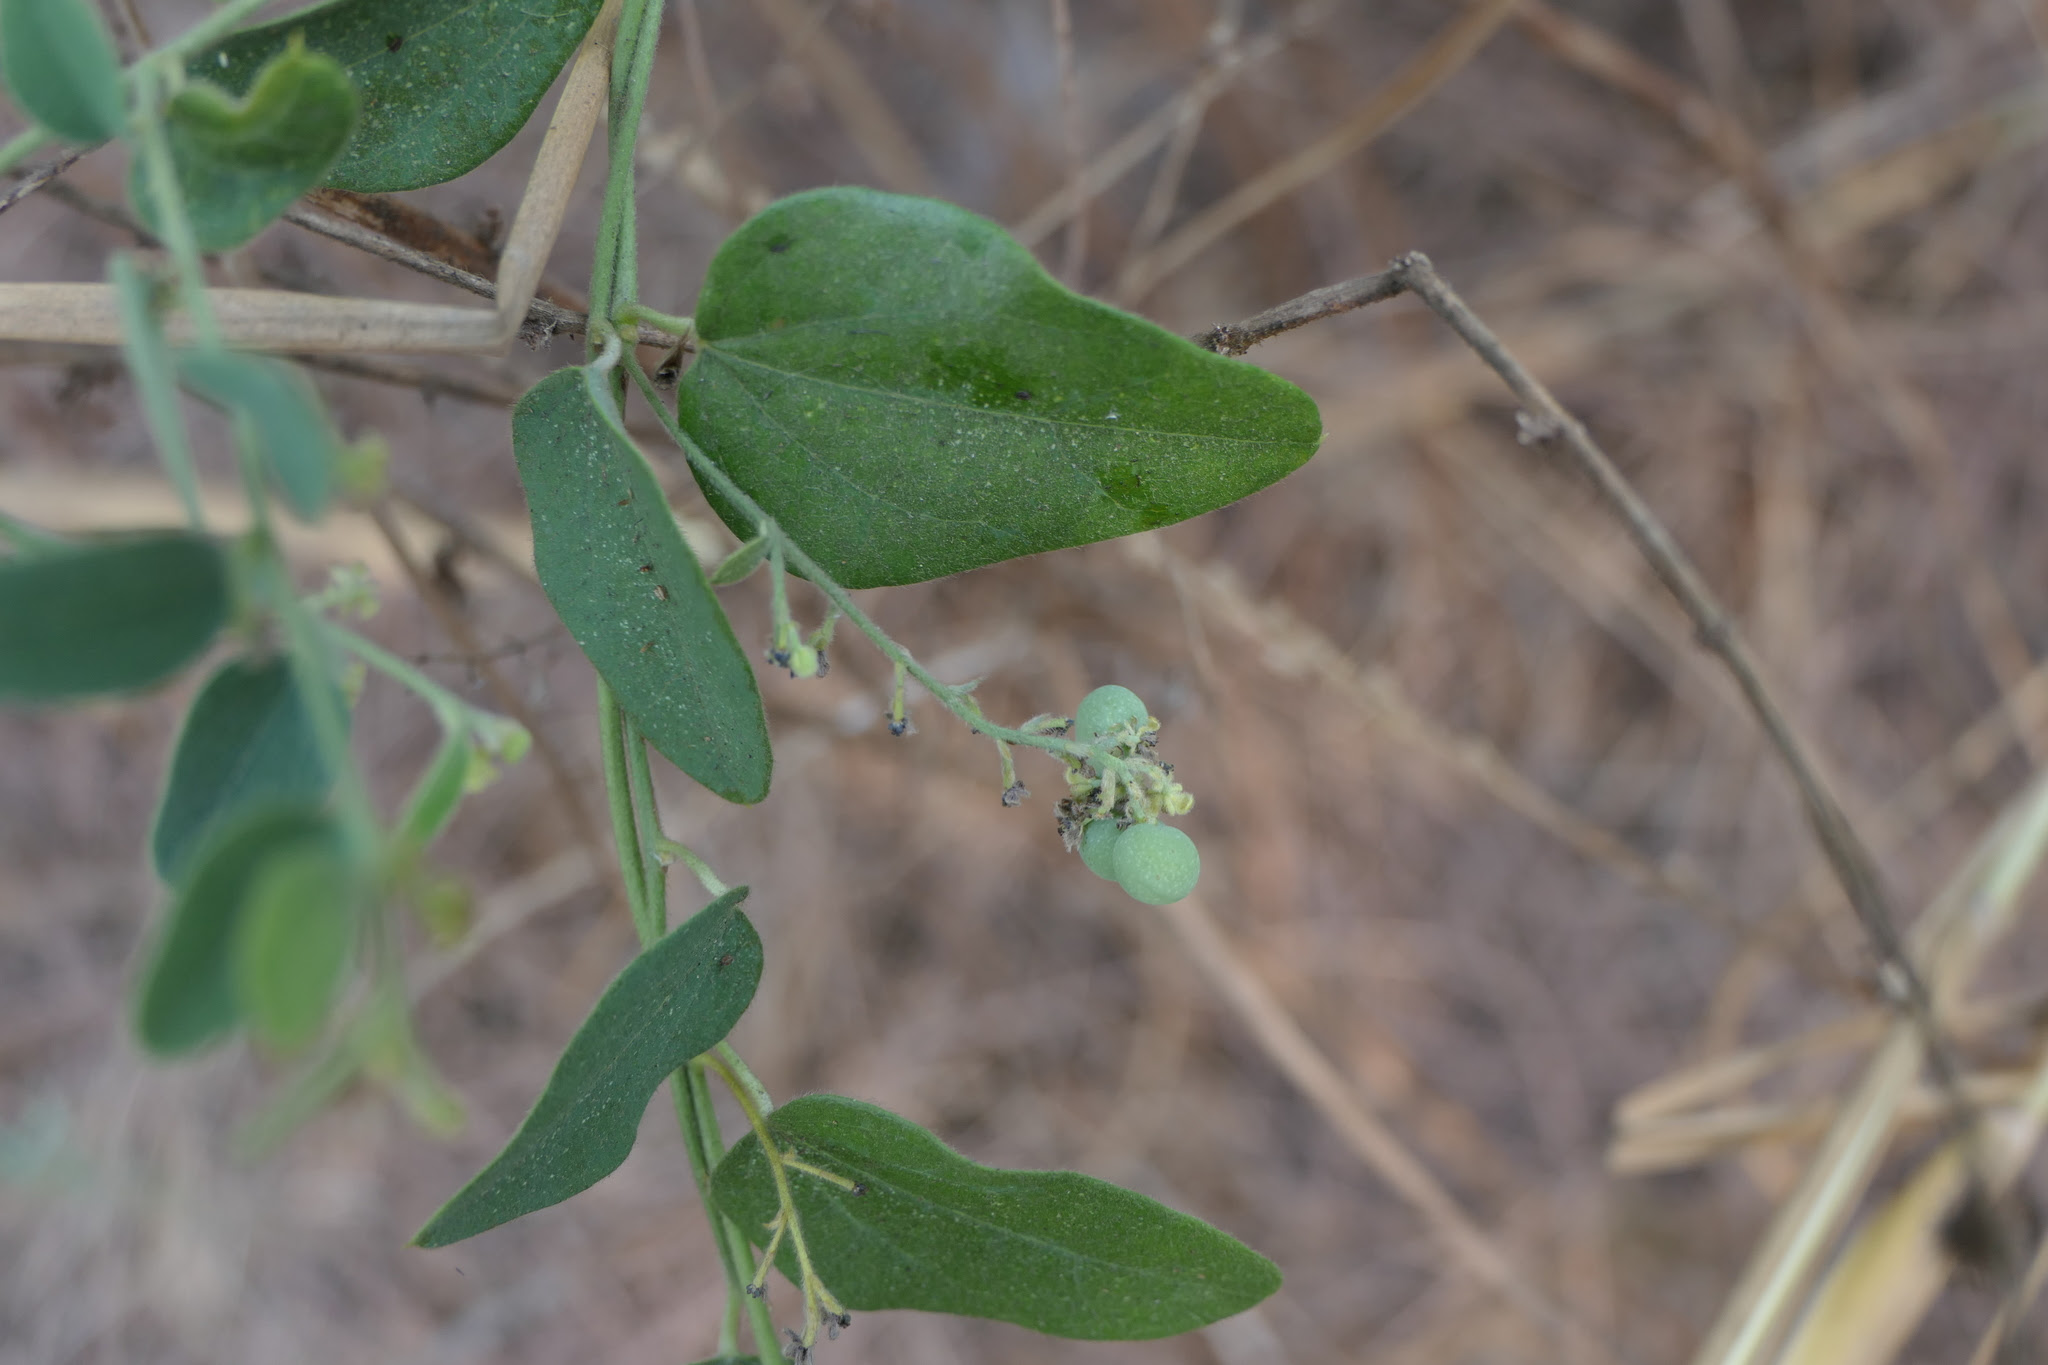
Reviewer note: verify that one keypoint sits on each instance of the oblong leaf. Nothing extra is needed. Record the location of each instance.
(60, 66)
(445, 83)
(187, 995)
(677, 999)
(248, 741)
(1050, 1250)
(298, 925)
(240, 163)
(108, 615)
(632, 594)
(298, 441)
(909, 394)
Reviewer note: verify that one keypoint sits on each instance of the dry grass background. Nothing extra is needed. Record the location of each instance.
(1475, 812)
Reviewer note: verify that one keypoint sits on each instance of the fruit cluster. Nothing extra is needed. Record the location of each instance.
(1116, 795)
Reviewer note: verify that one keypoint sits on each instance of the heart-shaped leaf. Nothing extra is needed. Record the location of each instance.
(445, 83)
(188, 996)
(61, 67)
(622, 579)
(297, 440)
(247, 742)
(240, 163)
(923, 1227)
(944, 403)
(107, 616)
(675, 1000)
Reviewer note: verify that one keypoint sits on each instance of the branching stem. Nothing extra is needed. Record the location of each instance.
(955, 697)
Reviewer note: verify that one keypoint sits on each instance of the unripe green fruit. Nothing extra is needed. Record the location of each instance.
(1098, 848)
(1106, 708)
(1157, 864)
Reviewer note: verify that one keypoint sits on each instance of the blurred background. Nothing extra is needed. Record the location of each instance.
(1489, 845)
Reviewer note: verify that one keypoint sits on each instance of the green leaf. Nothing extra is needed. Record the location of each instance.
(736, 566)
(677, 999)
(445, 83)
(187, 996)
(909, 394)
(298, 924)
(292, 429)
(61, 66)
(1050, 1250)
(107, 616)
(240, 163)
(247, 742)
(438, 791)
(634, 597)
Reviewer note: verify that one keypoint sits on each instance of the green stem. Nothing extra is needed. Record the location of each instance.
(614, 275)
(647, 818)
(706, 1145)
(313, 669)
(611, 732)
(817, 1298)
(149, 361)
(668, 850)
(22, 145)
(746, 1077)
(957, 699)
(173, 223)
(614, 283)
(633, 314)
(449, 709)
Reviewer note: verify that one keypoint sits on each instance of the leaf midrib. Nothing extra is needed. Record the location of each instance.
(990, 414)
(879, 1183)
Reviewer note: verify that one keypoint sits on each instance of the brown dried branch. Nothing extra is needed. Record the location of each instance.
(33, 180)
(1235, 338)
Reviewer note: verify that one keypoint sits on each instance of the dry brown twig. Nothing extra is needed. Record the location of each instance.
(275, 320)
(1832, 329)
(1918, 1035)
(35, 179)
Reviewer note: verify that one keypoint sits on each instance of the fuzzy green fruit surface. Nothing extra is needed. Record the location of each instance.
(1106, 708)
(1098, 848)
(1156, 864)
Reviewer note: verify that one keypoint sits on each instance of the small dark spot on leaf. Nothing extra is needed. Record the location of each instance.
(781, 242)
(393, 41)
(1024, 395)
(859, 1188)
(646, 568)
(725, 961)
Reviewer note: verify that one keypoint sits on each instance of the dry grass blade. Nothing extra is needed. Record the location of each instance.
(1949, 940)
(1304, 1064)
(1428, 69)
(868, 120)
(1889, 1274)
(1117, 160)
(1835, 332)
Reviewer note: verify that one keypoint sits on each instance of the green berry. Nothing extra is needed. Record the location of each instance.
(1157, 864)
(1105, 709)
(1098, 848)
